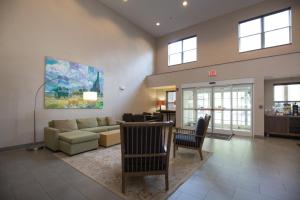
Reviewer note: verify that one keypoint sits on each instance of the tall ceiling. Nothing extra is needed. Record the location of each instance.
(171, 14)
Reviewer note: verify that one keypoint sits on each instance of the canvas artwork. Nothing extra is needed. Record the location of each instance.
(66, 83)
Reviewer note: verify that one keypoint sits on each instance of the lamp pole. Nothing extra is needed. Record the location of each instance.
(34, 146)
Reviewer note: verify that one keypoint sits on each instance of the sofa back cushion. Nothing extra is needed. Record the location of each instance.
(110, 121)
(87, 123)
(102, 121)
(65, 125)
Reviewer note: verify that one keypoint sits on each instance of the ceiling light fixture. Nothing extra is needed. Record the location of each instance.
(157, 24)
(185, 3)
(125, 0)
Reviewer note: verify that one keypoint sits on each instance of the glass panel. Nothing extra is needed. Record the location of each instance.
(241, 120)
(222, 97)
(279, 93)
(277, 37)
(250, 43)
(222, 119)
(190, 43)
(278, 20)
(189, 56)
(188, 118)
(241, 97)
(188, 99)
(204, 98)
(250, 28)
(294, 92)
(175, 59)
(175, 47)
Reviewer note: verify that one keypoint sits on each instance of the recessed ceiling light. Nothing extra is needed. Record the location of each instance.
(157, 24)
(125, 0)
(185, 3)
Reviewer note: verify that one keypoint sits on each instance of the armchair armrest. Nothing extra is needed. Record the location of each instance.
(51, 138)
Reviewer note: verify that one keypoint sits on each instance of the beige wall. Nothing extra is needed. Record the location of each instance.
(77, 30)
(218, 49)
(218, 37)
(269, 91)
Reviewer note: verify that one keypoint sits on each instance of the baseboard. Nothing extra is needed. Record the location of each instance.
(259, 136)
(20, 146)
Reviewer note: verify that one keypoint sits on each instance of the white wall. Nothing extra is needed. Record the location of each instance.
(77, 30)
(258, 70)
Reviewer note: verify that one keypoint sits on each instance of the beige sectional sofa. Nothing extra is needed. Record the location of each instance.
(77, 135)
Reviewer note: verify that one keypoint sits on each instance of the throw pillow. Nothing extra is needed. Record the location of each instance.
(110, 121)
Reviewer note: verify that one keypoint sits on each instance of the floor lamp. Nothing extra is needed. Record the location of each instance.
(88, 96)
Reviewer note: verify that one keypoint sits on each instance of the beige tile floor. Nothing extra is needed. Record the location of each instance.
(238, 169)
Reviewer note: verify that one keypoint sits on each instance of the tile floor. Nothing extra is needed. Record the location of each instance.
(240, 169)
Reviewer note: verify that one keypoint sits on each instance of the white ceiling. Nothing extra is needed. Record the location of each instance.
(171, 14)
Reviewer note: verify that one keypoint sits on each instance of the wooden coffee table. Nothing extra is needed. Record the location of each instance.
(109, 138)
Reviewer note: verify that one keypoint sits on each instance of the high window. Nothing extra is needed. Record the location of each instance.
(182, 51)
(265, 31)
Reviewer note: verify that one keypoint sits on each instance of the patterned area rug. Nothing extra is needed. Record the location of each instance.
(104, 166)
(219, 136)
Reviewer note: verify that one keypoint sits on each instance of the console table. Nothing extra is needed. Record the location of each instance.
(282, 125)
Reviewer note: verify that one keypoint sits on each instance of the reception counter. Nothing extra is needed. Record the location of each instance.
(285, 125)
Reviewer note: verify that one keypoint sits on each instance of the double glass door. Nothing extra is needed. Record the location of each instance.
(229, 106)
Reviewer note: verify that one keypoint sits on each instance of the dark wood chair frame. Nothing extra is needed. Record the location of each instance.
(191, 134)
(167, 131)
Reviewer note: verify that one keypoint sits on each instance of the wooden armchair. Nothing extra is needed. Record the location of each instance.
(145, 149)
(192, 139)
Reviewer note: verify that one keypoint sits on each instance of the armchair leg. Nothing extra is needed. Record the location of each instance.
(200, 152)
(167, 181)
(123, 184)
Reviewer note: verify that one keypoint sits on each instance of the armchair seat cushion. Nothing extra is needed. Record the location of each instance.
(186, 140)
(145, 164)
(75, 137)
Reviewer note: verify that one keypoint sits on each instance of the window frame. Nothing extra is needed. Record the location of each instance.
(182, 51)
(263, 32)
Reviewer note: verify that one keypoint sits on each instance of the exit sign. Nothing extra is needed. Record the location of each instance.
(212, 73)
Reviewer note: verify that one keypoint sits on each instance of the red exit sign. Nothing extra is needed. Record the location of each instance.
(212, 73)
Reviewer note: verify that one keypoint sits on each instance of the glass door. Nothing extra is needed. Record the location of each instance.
(204, 104)
(229, 106)
(241, 109)
(222, 110)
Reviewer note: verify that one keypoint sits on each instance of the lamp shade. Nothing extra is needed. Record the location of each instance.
(90, 96)
(160, 102)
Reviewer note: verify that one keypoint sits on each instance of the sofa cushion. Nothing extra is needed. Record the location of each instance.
(96, 129)
(75, 137)
(65, 125)
(87, 123)
(102, 121)
(110, 121)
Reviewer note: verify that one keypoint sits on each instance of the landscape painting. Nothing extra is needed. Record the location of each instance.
(66, 82)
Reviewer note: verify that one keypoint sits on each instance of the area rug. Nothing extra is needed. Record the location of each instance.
(219, 136)
(104, 166)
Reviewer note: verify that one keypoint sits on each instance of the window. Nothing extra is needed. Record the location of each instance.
(182, 51)
(265, 31)
(171, 100)
(286, 93)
